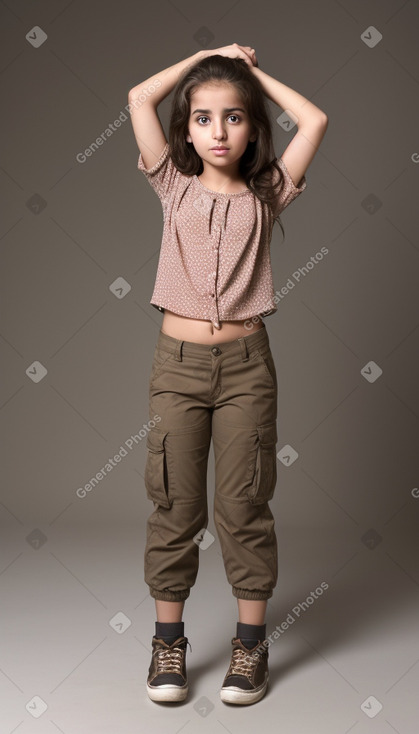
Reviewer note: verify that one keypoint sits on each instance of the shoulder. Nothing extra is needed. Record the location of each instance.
(162, 159)
(163, 176)
(287, 189)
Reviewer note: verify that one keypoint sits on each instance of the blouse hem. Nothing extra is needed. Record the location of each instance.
(263, 314)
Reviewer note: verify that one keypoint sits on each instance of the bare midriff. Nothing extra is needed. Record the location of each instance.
(204, 332)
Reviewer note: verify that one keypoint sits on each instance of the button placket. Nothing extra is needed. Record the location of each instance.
(213, 283)
(217, 229)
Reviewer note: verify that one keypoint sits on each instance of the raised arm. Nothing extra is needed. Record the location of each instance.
(144, 99)
(311, 121)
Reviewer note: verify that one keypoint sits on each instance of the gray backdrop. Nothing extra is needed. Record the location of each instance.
(80, 238)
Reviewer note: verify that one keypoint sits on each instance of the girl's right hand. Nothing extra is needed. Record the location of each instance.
(233, 51)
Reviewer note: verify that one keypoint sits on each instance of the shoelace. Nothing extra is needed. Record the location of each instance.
(170, 661)
(242, 663)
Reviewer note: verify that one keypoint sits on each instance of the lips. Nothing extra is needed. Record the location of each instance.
(218, 147)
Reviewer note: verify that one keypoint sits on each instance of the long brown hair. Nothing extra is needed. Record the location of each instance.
(258, 162)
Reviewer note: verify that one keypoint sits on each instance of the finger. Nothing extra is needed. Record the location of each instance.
(243, 55)
(254, 57)
(251, 52)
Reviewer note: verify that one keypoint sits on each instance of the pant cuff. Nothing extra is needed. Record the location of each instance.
(169, 595)
(251, 594)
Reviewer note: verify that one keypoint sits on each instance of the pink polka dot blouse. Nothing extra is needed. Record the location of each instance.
(214, 261)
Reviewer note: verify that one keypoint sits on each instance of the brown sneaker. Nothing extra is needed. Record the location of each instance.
(246, 680)
(167, 679)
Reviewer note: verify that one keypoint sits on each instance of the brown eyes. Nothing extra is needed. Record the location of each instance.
(204, 117)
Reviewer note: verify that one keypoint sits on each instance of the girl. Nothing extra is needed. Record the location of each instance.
(213, 376)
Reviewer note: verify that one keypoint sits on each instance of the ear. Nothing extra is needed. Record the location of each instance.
(188, 139)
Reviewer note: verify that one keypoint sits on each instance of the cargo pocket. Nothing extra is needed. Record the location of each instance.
(155, 473)
(265, 474)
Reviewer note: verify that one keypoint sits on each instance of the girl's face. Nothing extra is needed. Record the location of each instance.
(218, 118)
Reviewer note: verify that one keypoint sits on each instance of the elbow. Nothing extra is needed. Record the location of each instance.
(324, 120)
(315, 122)
(321, 119)
(321, 124)
(133, 93)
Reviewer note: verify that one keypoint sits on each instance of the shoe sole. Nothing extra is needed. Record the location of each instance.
(167, 692)
(233, 694)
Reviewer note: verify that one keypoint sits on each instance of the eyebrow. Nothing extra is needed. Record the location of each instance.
(226, 109)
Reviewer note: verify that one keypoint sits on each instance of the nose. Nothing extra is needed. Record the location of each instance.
(218, 132)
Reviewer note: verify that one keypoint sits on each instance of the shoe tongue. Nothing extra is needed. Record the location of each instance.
(249, 644)
(173, 641)
(178, 642)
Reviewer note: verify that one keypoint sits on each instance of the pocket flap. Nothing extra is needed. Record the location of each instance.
(268, 434)
(155, 440)
(155, 473)
(264, 480)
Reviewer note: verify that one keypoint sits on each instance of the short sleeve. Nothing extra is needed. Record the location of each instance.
(289, 190)
(163, 176)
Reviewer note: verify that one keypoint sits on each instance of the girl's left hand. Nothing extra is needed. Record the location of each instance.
(245, 52)
(251, 54)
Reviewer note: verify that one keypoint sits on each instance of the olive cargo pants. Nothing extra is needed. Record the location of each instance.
(228, 392)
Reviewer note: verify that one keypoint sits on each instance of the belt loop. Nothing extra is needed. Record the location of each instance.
(243, 346)
(178, 350)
